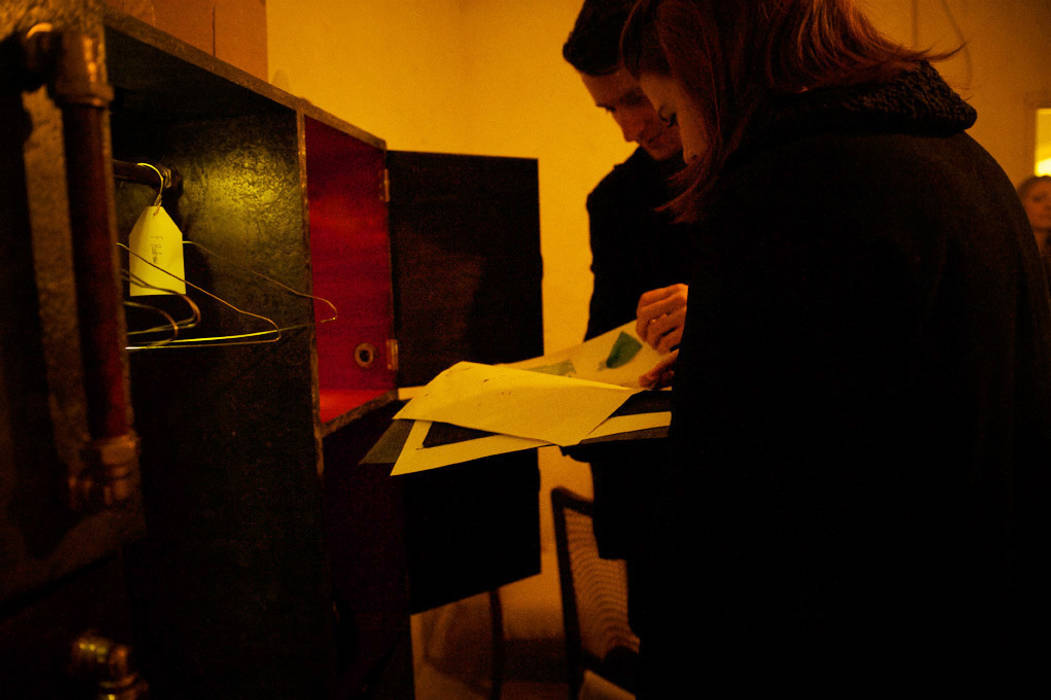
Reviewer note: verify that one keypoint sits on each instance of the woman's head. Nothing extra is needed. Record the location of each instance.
(719, 61)
(1035, 193)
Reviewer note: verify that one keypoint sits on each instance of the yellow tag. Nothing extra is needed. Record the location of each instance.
(156, 238)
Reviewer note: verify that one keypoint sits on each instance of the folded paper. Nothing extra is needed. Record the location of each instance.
(517, 402)
(415, 457)
(616, 357)
(562, 398)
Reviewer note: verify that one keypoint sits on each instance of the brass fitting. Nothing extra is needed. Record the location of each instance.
(106, 664)
(79, 78)
(108, 475)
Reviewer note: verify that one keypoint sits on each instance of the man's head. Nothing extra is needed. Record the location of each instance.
(593, 48)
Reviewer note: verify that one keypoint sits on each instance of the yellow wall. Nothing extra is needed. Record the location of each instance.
(231, 30)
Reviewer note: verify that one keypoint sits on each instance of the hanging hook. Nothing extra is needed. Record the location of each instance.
(161, 178)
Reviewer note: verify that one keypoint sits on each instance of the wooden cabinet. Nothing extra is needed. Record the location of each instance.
(257, 559)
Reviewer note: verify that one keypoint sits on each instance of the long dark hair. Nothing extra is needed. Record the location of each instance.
(593, 47)
(731, 56)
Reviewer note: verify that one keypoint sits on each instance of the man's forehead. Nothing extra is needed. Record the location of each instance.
(612, 89)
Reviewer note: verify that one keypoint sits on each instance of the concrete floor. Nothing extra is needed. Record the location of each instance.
(453, 645)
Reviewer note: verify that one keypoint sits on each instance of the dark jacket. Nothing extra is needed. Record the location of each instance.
(634, 247)
(862, 424)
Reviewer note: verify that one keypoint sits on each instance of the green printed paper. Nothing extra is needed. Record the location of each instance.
(562, 369)
(624, 349)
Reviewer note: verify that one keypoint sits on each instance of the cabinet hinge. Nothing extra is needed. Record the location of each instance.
(392, 354)
(385, 191)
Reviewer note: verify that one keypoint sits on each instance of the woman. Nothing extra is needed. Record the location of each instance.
(861, 416)
(1035, 193)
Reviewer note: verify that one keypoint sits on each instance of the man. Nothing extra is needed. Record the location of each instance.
(636, 249)
(640, 258)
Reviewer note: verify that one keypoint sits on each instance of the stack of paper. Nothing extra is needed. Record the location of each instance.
(558, 399)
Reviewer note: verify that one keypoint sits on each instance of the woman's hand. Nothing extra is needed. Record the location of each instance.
(662, 373)
(660, 315)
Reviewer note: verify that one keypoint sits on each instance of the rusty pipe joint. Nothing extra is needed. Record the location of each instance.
(69, 62)
(79, 76)
(109, 475)
(38, 57)
(108, 666)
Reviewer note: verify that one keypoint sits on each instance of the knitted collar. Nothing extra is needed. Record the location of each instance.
(916, 101)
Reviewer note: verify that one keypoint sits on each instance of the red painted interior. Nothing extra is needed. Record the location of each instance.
(336, 402)
(350, 261)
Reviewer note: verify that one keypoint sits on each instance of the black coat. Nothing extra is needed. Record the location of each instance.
(634, 247)
(862, 429)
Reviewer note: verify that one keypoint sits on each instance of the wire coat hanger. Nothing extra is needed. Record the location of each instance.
(269, 335)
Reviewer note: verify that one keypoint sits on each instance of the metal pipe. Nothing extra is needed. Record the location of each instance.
(111, 456)
(145, 175)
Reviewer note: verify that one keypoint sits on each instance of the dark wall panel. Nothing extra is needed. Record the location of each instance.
(465, 242)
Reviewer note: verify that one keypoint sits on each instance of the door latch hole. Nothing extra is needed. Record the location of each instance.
(365, 355)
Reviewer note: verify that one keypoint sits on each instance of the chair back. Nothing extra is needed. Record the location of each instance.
(594, 598)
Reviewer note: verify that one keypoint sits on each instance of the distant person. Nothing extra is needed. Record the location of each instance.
(1035, 193)
(859, 493)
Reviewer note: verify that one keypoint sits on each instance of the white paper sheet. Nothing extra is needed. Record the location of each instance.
(415, 457)
(521, 403)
